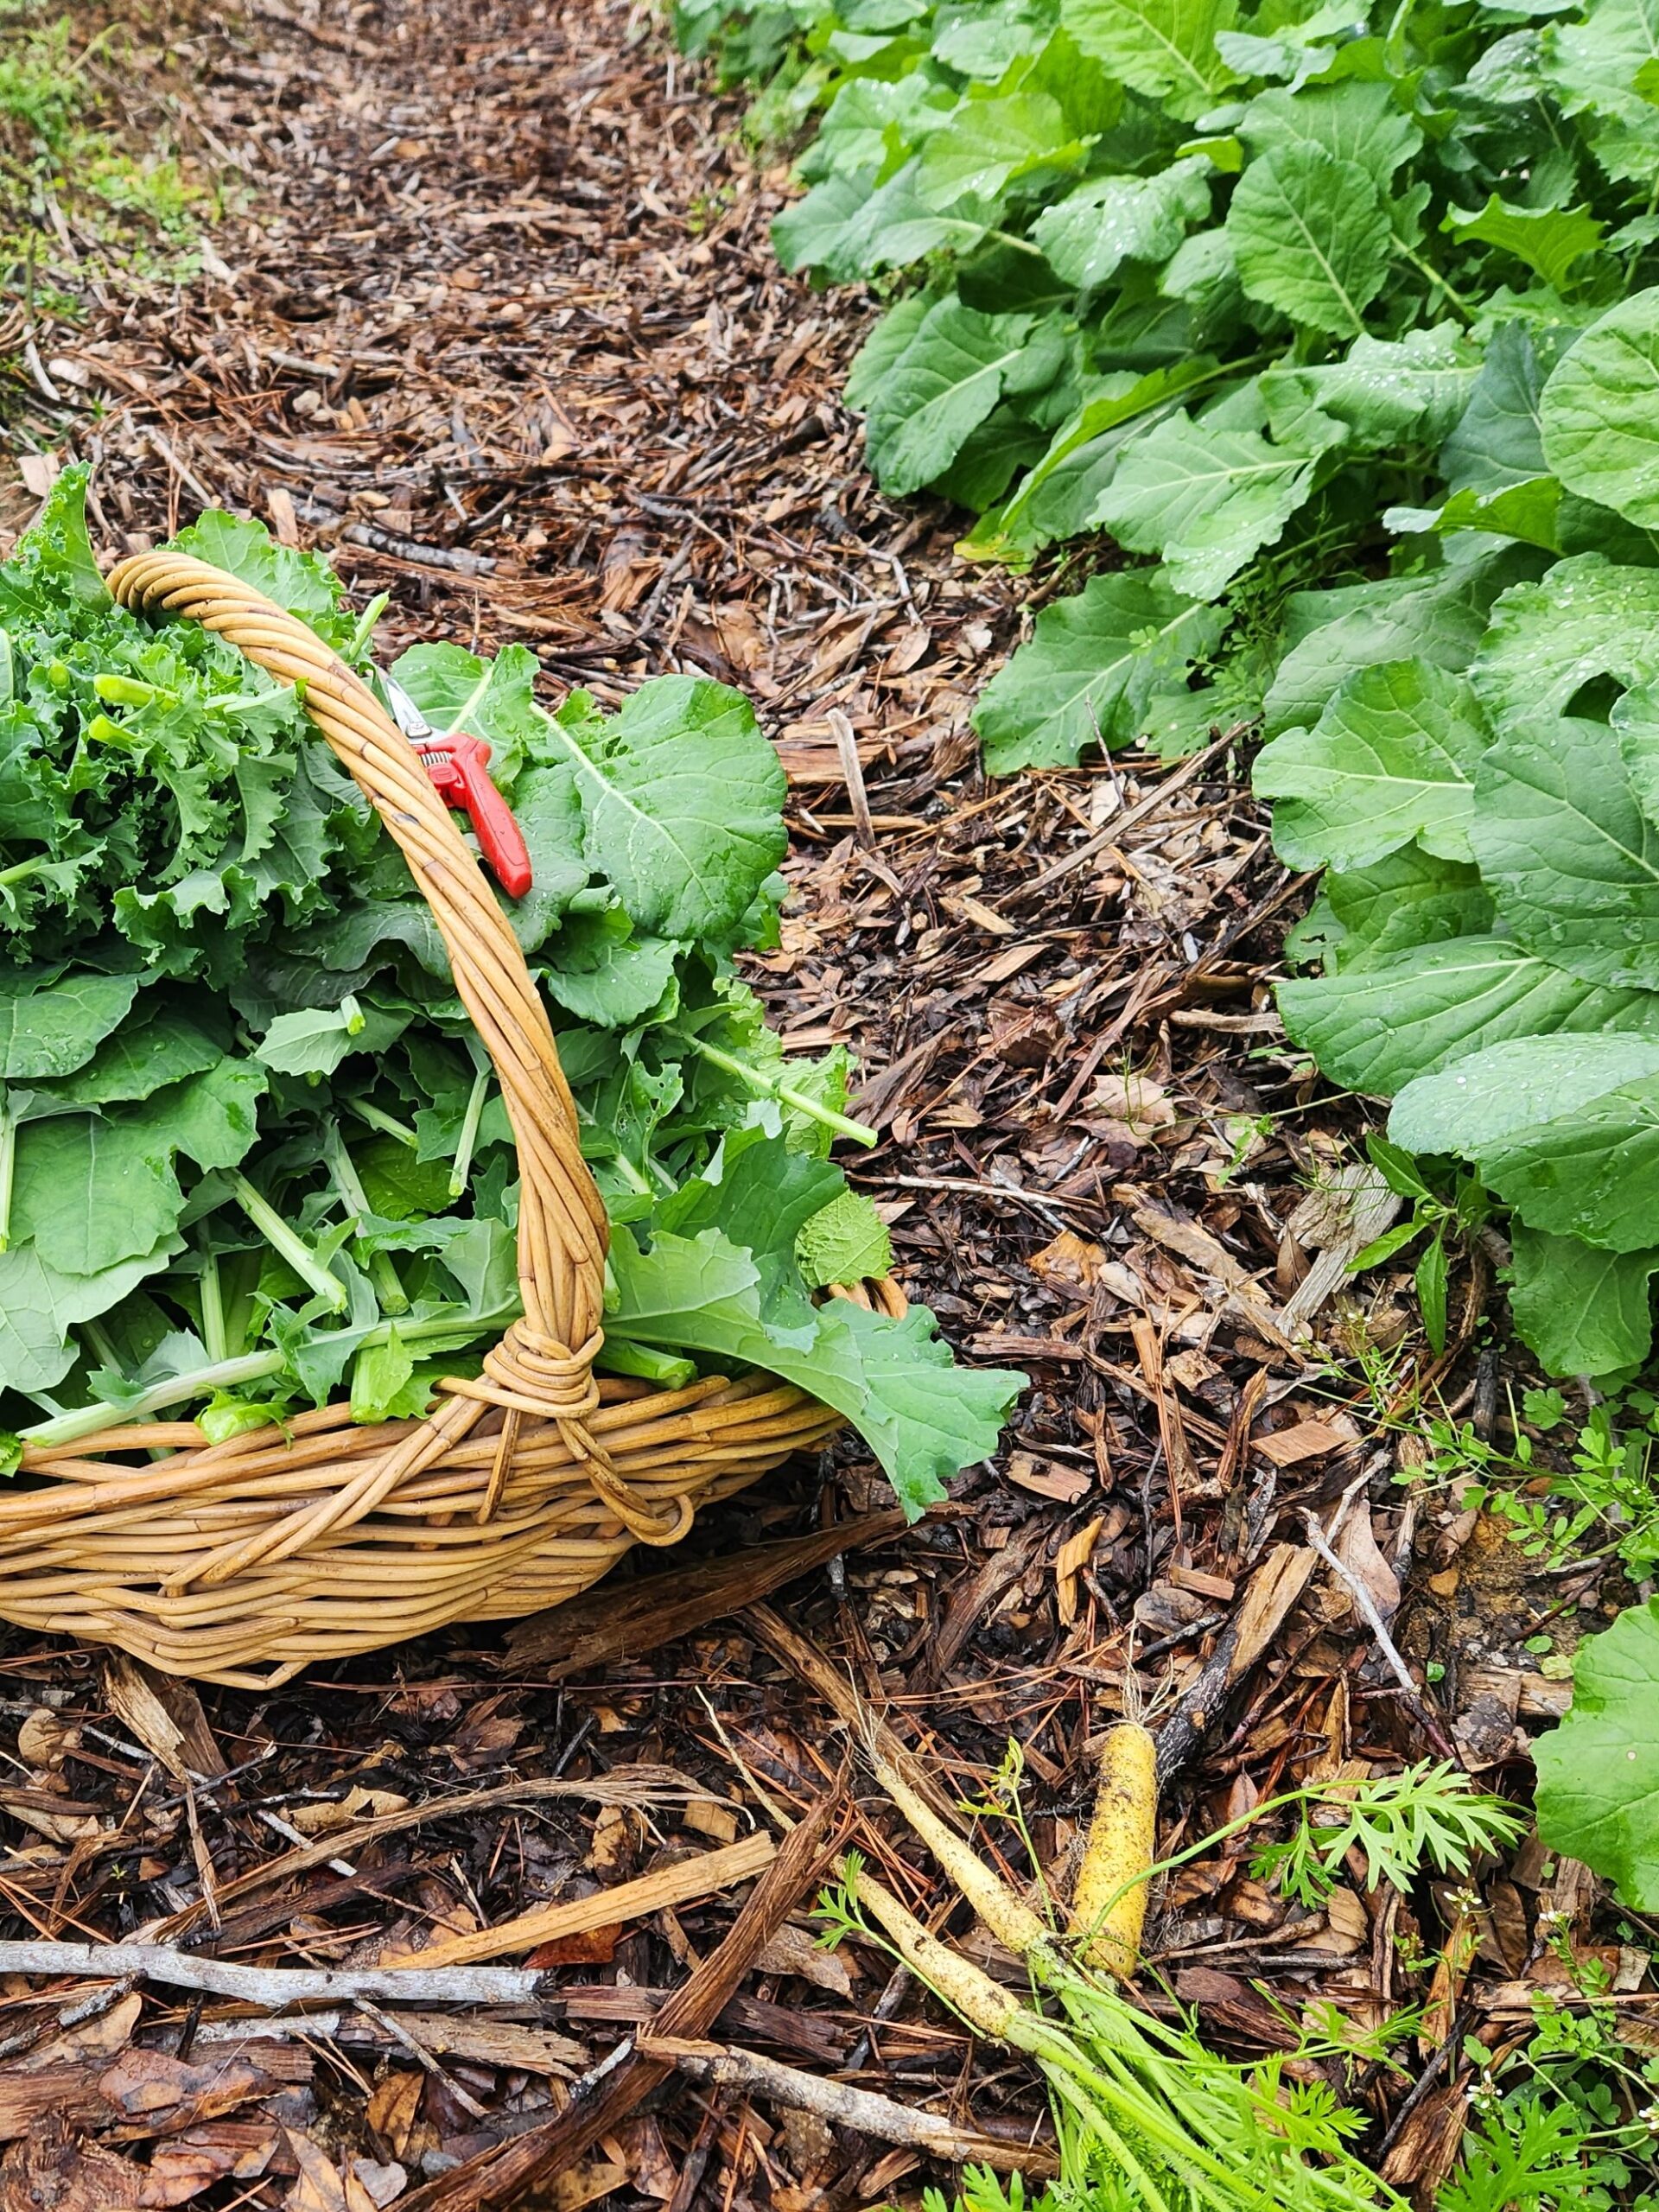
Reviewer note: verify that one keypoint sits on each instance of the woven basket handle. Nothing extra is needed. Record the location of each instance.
(562, 1224)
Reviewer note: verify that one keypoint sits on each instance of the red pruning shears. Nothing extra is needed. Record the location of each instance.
(460, 768)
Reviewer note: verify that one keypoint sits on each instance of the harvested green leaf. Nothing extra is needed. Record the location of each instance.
(236, 1072)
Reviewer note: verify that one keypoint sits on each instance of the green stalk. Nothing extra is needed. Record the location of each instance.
(346, 1181)
(468, 1138)
(1428, 269)
(1021, 245)
(288, 1246)
(8, 1167)
(621, 1356)
(1154, 2076)
(1057, 2060)
(228, 1374)
(215, 1339)
(117, 690)
(1155, 2114)
(630, 1174)
(1061, 2059)
(101, 1344)
(377, 1118)
(365, 622)
(767, 1086)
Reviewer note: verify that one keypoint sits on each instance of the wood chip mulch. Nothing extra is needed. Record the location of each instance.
(492, 317)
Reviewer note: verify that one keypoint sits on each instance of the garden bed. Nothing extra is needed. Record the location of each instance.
(496, 322)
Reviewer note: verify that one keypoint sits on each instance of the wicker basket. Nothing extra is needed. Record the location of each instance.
(242, 1561)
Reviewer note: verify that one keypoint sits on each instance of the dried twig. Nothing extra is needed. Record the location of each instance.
(275, 1988)
(1274, 1589)
(627, 1620)
(634, 1785)
(1397, 1667)
(852, 769)
(805, 1660)
(704, 1876)
(863, 2111)
(1188, 772)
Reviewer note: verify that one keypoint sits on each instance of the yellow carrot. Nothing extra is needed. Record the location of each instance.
(1009, 1918)
(984, 2004)
(1109, 1907)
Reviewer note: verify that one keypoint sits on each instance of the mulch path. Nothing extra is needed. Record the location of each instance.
(492, 317)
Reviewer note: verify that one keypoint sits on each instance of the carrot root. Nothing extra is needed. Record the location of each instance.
(1109, 1907)
(984, 2004)
(1009, 1918)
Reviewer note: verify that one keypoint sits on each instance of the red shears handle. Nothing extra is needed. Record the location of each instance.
(463, 779)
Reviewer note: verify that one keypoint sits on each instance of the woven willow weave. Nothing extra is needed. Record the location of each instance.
(242, 1561)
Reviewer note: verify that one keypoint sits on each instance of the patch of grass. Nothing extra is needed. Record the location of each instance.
(42, 83)
(133, 212)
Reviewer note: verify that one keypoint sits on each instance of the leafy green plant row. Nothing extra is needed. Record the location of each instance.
(250, 1151)
(1341, 324)
(1320, 295)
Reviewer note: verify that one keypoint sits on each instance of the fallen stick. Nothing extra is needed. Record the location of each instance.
(275, 1988)
(1410, 1696)
(704, 1876)
(457, 557)
(1274, 1589)
(864, 2112)
(637, 1618)
(1133, 817)
(608, 2092)
(488, 2042)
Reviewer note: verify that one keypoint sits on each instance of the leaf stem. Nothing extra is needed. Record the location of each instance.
(346, 1181)
(214, 1336)
(251, 1367)
(365, 622)
(768, 1086)
(8, 1167)
(1021, 245)
(621, 1356)
(1428, 270)
(468, 1138)
(286, 1243)
(377, 1118)
(101, 1344)
(630, 1174)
